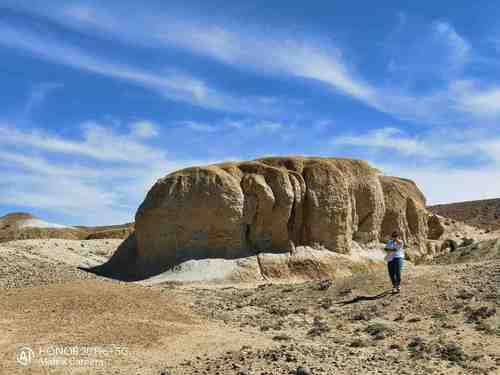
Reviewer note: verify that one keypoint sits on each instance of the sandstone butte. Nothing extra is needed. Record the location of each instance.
(271, 205)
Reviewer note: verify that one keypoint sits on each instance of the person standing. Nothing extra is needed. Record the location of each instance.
(395, 259)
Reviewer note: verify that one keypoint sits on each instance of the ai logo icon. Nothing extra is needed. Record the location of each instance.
(25, 355)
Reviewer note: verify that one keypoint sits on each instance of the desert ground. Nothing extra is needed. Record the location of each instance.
(445, 321)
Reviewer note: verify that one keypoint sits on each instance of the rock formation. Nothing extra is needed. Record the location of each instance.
(436, 227)
(272, 205)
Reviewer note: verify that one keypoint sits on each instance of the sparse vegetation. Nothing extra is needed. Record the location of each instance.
(441, 316)
(378, 330)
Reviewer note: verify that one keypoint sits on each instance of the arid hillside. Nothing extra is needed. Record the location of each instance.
(484, 214)
(24, 226)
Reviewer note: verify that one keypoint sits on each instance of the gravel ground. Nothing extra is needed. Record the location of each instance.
(445, 321)
(40, 262)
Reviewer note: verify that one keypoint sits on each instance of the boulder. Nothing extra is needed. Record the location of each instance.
(273, 206)
(436, 227)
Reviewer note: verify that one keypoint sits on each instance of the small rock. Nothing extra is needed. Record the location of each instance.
(324, 284)
(282, 337)
(303, 371)
(358, 343)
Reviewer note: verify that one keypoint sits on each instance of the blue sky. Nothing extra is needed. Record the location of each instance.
(99, 99)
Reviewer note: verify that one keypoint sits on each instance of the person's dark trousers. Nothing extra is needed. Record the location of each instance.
(395, 266)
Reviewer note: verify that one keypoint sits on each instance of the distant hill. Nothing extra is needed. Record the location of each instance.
(20, 220)
(22, 226)
(484, 214)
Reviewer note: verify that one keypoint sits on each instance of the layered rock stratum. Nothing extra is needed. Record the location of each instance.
(274, 205)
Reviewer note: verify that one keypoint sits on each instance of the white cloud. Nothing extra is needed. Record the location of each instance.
(242, 126)
(438, 145)
(277, 53)
(99, 142)
(477, 99)
(448, 184)
(458, 47)
(242, 48)
(38, 94)
(171, 83)
(428, 160)
(199, 126)
(487, 102)
(144, 129)
(100, 179)
(389, 139)
(268, 126)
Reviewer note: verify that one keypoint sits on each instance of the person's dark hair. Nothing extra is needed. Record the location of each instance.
(395, 234)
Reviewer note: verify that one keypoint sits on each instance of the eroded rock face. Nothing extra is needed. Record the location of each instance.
(436, 227)
(405, 213)
(274, 205)
(405, 210)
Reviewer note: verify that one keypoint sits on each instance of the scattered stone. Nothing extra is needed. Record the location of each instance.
(303, 371)
(465, 294)
(466, 241)
(453, 353)
(378, 330)
(417, 344)
(319, 327)
(324, 284)
(361, 315)
(326, 303)
(282, 337)
(358, 343)
(483, 312)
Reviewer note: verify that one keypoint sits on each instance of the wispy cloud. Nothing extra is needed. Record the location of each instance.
(477, 145)
(314, 58)
(245, 126)
(458, 49)
(446, 184)
(390, 139)
(99, 143)
(170, 83)
(276, 54)
(144, 129)
(197, 126)
(245, 48)
(477, 98)
(428, 160)
(38, 94)
(99, 179)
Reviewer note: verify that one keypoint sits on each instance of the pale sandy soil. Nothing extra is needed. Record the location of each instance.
(445, 321)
